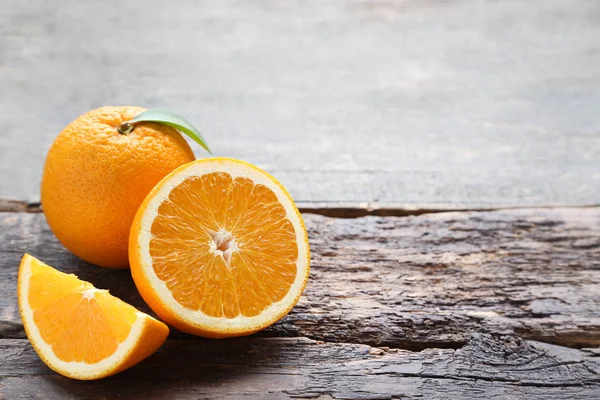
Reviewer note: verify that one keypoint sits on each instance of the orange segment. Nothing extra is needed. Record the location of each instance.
(218, 248)
(45, 284)
(259, 250)
(78, 330)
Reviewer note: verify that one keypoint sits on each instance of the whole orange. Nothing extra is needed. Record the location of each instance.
(95, 178)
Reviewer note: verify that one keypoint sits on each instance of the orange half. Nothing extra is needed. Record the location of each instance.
(218, 248)
(79, 331)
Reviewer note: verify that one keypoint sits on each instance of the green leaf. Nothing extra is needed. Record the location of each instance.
(169, 118)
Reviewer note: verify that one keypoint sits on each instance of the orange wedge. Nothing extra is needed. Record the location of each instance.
(219, 249)
(79, 331)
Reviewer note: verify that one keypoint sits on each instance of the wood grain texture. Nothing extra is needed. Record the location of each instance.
(411, 282)
(430, 104)
(277, 368)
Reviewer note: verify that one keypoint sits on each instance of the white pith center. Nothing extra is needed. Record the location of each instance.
(223, 244)
(89, 293)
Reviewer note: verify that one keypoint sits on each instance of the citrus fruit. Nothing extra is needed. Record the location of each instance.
(79, 331)
(219, 249)
(95, 178)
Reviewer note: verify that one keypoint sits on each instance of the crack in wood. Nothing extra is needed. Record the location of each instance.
(8, 205)
(333, 210)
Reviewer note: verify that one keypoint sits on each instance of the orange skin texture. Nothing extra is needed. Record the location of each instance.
(95, 179)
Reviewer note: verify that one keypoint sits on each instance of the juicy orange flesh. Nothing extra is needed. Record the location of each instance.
(80, 322)
(260, 265)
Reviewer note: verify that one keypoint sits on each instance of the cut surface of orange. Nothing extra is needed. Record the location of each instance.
(80, 331)
(219, 249)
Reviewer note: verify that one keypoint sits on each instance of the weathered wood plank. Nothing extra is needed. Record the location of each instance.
(500, 367)
(411, 282)
(428, 104)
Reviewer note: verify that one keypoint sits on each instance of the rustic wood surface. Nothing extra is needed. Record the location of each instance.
(429, 104)
(411, 282)
(279, 368)
(457, 293)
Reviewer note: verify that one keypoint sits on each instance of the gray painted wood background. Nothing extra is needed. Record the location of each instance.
(428, 104)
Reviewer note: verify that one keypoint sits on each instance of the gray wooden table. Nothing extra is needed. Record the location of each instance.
(451, 148)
